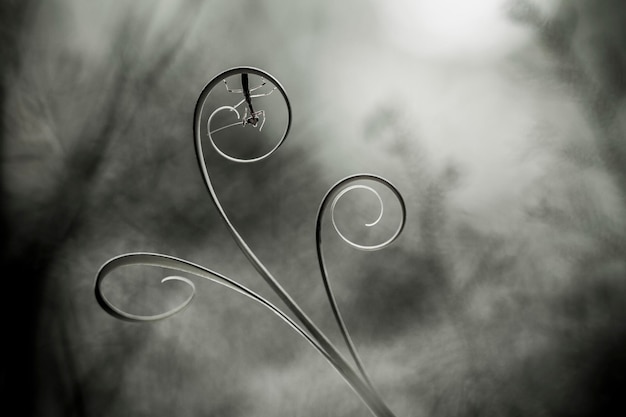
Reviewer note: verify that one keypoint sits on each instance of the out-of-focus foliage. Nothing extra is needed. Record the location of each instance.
(504, 296)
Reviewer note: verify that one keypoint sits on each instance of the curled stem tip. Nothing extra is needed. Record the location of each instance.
(305, 328)
(339, 191)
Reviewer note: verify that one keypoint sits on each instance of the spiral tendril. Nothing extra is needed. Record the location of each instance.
(374, 223)
(181, 265)
(347, 189)
(320, 254)
(217, 80)
(306, 327)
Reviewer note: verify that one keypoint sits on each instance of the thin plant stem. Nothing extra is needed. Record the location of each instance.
(304, 326)
(361, 387)
(181, 265)
(320, 253)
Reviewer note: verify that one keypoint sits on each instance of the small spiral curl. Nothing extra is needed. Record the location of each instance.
(180, 265)
(340, 192)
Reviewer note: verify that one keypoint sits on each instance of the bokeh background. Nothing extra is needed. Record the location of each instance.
(501, 122)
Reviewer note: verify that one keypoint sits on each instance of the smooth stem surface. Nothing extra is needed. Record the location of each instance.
(320, 253)
(362, 388)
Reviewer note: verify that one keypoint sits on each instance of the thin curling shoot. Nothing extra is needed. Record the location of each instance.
(339, 191)
(340, 194)
(301, 323)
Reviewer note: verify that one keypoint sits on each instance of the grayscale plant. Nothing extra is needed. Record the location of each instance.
(265, 104)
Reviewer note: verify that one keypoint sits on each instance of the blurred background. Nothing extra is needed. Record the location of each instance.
(501, 122)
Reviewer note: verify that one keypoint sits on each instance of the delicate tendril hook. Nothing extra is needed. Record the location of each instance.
(320, 254)
(181, 265)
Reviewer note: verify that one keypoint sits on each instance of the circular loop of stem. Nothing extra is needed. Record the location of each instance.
(344, 191)
(207, 90)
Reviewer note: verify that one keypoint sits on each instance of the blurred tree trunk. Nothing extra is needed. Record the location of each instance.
(22, 283)
(32, 353)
